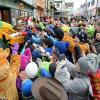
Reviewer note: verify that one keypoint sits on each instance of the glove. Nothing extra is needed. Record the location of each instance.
(15, 48)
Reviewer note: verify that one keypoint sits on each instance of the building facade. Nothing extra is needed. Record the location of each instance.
(10, 10)
(50, 7)
(91, 8)
(61, 9)
(69, 8)
(40, 8)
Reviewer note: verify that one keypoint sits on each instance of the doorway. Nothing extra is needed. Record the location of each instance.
(5, 14)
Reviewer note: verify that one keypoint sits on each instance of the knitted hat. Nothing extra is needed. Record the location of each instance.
(91, 30)
(25, 59)
(26, 87)
(31, 70)
(89, 63)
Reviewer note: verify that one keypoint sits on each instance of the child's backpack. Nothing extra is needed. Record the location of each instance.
(95, 82)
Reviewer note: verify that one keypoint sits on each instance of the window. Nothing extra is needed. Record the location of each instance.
(58, 5)
(57, 13)
(92, 2)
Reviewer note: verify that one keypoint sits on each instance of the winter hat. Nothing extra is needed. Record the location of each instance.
(89, 63)
(36, 54)
(65, 28)
(45, 73)
(26, 87)
(31, 70)
(91, 30)
(24, 61)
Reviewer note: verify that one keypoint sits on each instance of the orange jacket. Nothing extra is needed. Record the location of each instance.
(84, 47)
(8, 90)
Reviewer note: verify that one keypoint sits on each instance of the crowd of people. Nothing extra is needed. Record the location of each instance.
(50, 59)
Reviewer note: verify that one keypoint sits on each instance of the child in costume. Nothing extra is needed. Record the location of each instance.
(8, 73)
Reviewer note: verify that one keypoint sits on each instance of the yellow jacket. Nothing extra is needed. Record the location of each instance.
(84, 47)
(8, 76)
(7, 29)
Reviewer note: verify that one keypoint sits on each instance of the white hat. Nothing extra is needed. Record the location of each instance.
(31, 70)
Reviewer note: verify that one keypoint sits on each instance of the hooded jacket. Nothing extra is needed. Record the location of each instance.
(79, 88)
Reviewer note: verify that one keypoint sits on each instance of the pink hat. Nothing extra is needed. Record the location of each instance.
(25, 59)
(28, 53)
